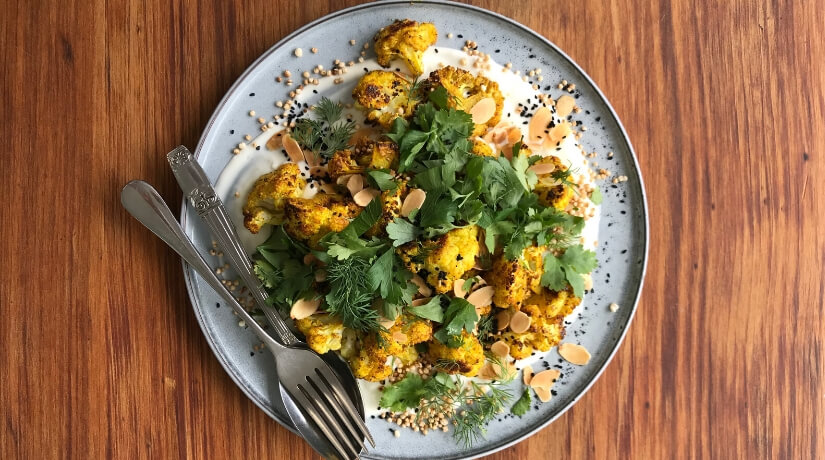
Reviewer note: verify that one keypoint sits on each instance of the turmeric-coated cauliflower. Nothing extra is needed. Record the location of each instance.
(265, 202)
(546, 311)
(466, 90)
(365, 155)
(322, 331)
(391, 201)
(405, 39)
(371, 361)
(515, 280)
(551, 192)
(444, 259)
(385, 96)
(309, 219)
(466, 359)
(482, 148)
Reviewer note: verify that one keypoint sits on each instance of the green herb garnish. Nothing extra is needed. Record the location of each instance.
(326, 134)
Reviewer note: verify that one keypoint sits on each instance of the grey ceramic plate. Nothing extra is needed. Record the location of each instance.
(623, 236)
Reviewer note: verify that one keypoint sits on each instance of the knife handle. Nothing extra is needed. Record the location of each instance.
(198, 189)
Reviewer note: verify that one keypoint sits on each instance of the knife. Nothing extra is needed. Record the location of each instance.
(199, 191)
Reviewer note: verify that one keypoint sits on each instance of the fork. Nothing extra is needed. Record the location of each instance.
(304, 377)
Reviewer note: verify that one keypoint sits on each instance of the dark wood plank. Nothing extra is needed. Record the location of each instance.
(100, 355)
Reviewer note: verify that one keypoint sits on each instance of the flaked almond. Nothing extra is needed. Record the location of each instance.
(364, 197)
(304, 308)
(543, 394)
(293, 149)
(487, 371)
(420, 302)
(542, 168)
(502, 320)
(355, 184)
(310, 259)
(496, 371)
(588, 281)
(414, 200)
(423, 289)
(482, 297)
(342, 180)
(545, 379)
(328, 188)
(575, 354)
(399, 337)
(458, 288)
(313, 159)
(500, 349)
(479, 283)
(275, 142)
(362, 134)
(499, 136)
(483, 110)
(558, 132)
(318, 171)
(519, 322)
(564, 105)
(513, 135)
(527, 374)
(320, 275)
(538, 124)
(385, 322)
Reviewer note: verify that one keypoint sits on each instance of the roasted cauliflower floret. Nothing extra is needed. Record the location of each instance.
(444, 259)
(391, 201)
(323, 332)
(546, 311)
(515, 280)
(365, 155)
(415, 330)
(550, 191)
(309, 219)
(466, 359)
(406, 40)
(466, 90)
(482, 148)
(265, 202)
(371, 361)
(385, 96)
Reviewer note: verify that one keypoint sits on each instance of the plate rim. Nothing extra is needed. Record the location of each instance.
(491, 448)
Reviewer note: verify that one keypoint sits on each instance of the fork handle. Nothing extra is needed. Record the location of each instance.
(145, 204)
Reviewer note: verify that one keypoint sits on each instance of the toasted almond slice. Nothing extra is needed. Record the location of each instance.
(328, 188)
(310, 258)
(479, 283)
(399, 336)
(542, 168)
(364, 197)
(527, 374)
(482, 296)
(313, 159)
(588, 281)
(355, 184)
(500, 349)
(414, 200)
(387, 323)
(420, 302)
(293, 149)
(575, 354)
(519, 322)
(538, 124)
(543, 394)
(558, 132)
(513, 135)
(276, 141)
(502, 320)
(342, 180)
(483, 110)
(545, 379)
(320, 275)
(423, 289)
(318, 171)
(564, 105)
(499, 136)
(458, 288)
(363, 133)
(487, 371)
(304, 308)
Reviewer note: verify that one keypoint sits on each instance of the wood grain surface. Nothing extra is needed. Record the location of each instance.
(101, 356)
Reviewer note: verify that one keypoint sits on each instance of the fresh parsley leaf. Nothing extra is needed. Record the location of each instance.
(579, 259)
(568, 269)
(403, 394)
(382, 179)
(431, 310)
(278, 264)
(439, 97)
(523, 404)
(380, 274)
(553, 276)
(460, 315)
(596, 196)
(401, 231)
(364, 221)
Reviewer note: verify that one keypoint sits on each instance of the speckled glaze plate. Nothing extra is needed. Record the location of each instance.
(623, 232)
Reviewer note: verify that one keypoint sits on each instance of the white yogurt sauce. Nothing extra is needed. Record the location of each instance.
(243, 169)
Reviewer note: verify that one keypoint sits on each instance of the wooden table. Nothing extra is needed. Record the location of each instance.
(101, 356)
